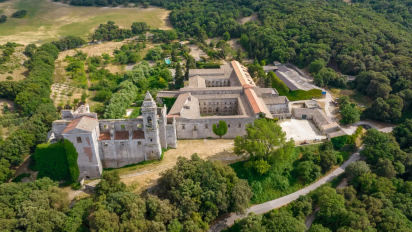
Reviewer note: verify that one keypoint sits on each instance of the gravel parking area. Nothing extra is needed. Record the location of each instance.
(301, 130)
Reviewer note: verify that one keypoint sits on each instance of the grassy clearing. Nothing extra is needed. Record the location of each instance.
(301, 94)
(49, 20)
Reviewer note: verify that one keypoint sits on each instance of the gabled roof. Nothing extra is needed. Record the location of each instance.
(85, 124)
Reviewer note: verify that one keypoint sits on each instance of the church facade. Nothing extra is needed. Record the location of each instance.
(114, 143)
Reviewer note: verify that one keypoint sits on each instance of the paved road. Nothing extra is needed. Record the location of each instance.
(265, 207)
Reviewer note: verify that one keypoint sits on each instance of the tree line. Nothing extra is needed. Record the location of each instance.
(32, 97)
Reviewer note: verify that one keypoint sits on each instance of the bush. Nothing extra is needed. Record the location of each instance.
(3, 19)
(19, 14)
(339, 142)
(9, 78)
(76, 186)
(20, 177)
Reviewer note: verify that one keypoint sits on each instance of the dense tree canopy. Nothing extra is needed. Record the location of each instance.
(204, 189)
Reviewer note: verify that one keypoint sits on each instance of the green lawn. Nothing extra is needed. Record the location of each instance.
(301, 94)
(48, 20)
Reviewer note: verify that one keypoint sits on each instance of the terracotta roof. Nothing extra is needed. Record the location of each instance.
(104, 135)
(252, 98)
(83, 123)
(121, 135)
(138, 134)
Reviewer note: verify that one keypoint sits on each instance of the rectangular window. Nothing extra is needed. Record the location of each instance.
(123, 127)
(105, 126)
(152, 152)
(151, 140)
(121, 143)
(139, 143)
(79, 140)
(228, 125)
(105, 144)
(183, 127)
(139, 126)
(194, 128)
(240, 125)
(206, 126)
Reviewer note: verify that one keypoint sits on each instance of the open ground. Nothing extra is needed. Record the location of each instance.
(142, 177)
(47, 20)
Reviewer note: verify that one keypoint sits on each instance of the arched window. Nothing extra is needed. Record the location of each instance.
(149, 121)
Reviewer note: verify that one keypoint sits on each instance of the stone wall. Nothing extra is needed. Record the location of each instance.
(89, 160)
(203, 128)
(118, 153)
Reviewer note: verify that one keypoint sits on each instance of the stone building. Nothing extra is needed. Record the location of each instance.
(321, 120)
(229, 94)
(113, 143)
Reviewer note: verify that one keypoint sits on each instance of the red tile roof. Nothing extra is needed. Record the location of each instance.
(138, 134)
(104, 135)
(121, 135)
(252, 98)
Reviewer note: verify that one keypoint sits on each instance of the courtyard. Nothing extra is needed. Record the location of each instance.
(301, 130)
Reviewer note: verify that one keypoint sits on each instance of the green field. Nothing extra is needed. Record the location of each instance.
(49, 20)
(301, 94)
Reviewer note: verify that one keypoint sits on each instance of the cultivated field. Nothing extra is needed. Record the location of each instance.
(49, 20)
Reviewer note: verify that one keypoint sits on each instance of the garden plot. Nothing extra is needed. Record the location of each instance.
(63, 93)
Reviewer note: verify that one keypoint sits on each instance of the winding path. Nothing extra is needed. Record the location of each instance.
(277, 203)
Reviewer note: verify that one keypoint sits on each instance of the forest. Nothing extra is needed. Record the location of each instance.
(373, 46)
(377, 198)
(190, 195)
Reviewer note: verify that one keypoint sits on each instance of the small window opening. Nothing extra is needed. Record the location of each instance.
(122, 143)
(79, 140)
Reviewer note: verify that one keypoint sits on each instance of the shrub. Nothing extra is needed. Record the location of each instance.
(339, 142)
(19, 14)
(3, 19)
(20, 177)
(9, 78)
(76, 186)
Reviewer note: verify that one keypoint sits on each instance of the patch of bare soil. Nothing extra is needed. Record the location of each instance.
(9, 103)
(94, 50)
(146, 176)
(253, 17)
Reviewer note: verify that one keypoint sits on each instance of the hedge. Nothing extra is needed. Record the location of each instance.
(340, 141)
(72, 160)
(58, 161)
(52, 161)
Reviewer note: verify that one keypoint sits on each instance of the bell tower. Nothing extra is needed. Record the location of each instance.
(151, 128)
